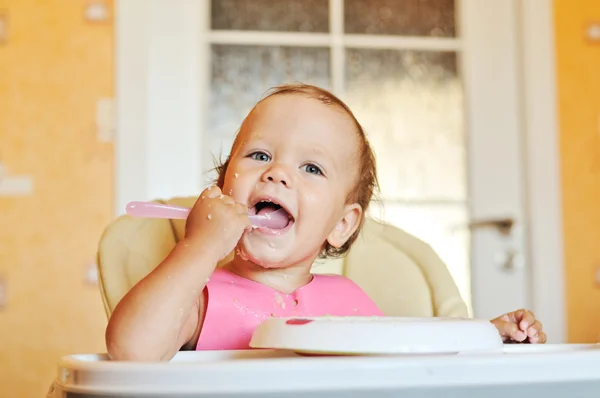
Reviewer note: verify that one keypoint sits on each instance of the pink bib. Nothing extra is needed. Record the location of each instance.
(236, 306)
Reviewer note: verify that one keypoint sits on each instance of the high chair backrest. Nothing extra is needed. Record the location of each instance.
(402, 274)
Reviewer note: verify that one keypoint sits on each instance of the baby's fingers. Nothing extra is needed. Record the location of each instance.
(539, 339)
(527, 319)
(535, 333)
(211, 192)
(510, 331)
(228, 200)
(242, 210)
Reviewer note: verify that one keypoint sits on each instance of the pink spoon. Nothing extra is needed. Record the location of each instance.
(160, 210)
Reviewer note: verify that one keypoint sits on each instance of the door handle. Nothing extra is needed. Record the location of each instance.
(502, 225)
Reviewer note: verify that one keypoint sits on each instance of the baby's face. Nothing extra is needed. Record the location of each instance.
(300, 154)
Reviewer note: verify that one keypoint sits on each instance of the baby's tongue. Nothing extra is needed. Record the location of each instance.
(272, 218)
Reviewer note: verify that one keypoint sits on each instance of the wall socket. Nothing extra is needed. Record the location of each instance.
(97, 11)
(16, 186)
(592, 32)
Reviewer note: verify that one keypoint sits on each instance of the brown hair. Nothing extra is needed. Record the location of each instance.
(366, 183)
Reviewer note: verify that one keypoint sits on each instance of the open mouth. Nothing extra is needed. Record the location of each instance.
(276, 216)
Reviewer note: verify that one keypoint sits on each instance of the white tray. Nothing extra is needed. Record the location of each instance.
(378, 335)
(520, 371)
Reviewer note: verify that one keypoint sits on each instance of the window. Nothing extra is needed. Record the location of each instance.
(396, 63)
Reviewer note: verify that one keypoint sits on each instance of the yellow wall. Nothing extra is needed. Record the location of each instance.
(53, 68)
(578, 70)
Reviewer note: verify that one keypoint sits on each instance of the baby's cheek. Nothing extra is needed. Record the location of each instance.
(323, 219)
(239, 192)
(311, 200)
(236, 186)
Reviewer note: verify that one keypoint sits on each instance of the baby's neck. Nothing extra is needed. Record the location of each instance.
(285, 280)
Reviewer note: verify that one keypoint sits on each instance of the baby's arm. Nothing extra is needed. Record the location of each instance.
(163, 312)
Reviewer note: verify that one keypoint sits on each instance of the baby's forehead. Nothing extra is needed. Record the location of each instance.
(297, 103)
(324, 124)
(300, 119)
(286, 112)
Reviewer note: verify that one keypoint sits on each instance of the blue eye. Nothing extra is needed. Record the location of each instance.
(312, 169)
(260, 156)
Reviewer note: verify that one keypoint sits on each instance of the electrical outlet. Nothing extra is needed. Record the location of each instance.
(97, 11)
(592, 32)
(16, 186)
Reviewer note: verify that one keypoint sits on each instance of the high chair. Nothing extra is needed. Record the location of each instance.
(402, 274)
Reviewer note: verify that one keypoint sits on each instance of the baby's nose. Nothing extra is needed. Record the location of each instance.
(274, 178)
(278, 174)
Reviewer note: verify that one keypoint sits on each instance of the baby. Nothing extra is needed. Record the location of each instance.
(302, 157)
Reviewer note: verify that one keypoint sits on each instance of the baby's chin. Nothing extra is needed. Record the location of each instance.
(265, 257)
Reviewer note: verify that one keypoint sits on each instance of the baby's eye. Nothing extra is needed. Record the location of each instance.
(312, 169)
(260, 156)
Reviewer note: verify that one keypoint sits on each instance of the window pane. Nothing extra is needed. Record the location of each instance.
(271, 15)
(411, 106)
(242, 74)
(441, 226)
(400, 17)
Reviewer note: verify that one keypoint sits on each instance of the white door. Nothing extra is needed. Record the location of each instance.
(436, 84)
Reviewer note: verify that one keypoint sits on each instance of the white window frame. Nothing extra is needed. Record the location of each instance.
(162, 47)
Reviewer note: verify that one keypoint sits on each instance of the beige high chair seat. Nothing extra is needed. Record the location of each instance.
(402, 274)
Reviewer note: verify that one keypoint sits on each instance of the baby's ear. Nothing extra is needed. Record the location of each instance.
(347, 225)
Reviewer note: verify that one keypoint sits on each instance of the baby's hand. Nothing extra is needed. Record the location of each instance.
(520, 327)
(217, 221)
